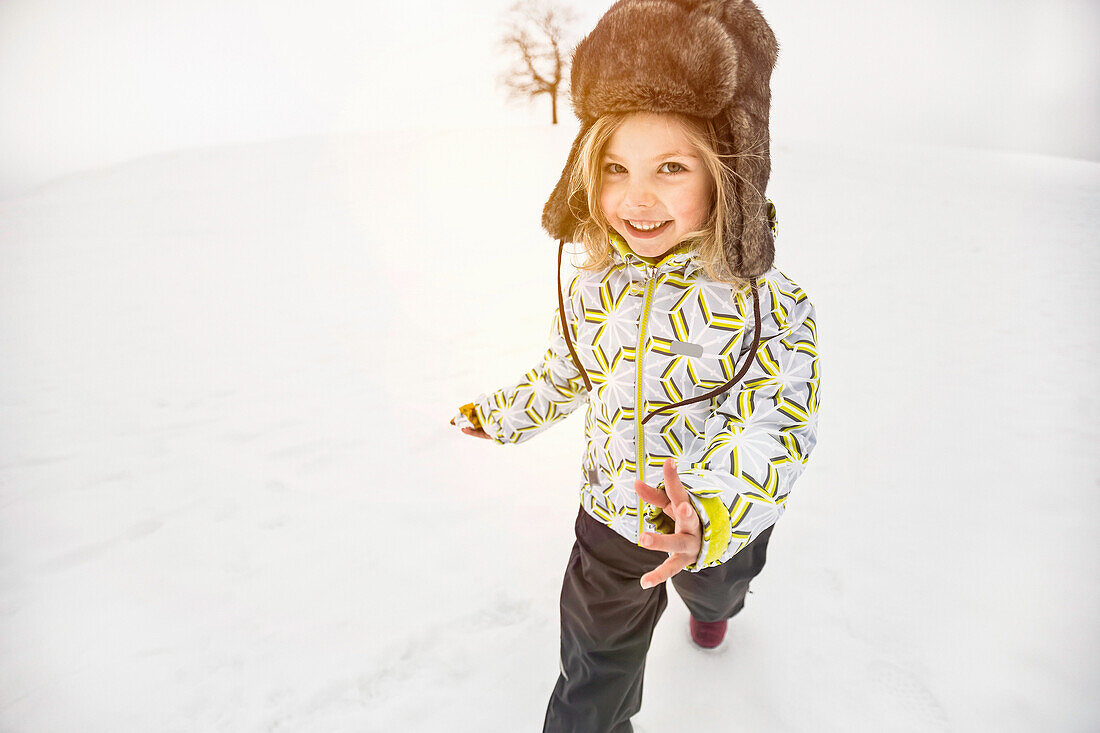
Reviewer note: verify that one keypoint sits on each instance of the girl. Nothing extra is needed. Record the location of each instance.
(696, 357)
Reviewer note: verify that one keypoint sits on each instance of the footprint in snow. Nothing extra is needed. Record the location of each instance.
(906, 693)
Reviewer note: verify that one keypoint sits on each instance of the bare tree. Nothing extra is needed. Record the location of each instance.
(535, 39)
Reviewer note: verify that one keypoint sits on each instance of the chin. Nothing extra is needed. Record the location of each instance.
(650, 249)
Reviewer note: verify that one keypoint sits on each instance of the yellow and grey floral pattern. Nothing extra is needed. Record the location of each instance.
(651, 334)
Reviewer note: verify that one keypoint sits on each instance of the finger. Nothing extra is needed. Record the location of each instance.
(682, 510)
(664, 571)
(687, 520)
(650, 494)
(672, 543)
(673, 486)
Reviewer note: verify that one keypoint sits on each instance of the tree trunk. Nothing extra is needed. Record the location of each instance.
(554, 106)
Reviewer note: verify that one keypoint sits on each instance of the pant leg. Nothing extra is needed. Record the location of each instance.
(607, 623)
(719, 592)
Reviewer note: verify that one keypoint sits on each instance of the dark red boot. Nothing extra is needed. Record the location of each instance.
(708, 635)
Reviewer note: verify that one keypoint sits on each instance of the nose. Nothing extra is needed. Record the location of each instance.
(638, 193)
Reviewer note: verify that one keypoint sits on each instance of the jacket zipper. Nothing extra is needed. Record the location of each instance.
(639, 405)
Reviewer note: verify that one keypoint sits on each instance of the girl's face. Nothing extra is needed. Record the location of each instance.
(654, 185)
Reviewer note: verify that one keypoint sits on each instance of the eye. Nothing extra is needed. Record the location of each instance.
(614, 168)
(672, 166)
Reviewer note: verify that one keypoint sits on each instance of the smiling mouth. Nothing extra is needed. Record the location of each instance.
(647, 227)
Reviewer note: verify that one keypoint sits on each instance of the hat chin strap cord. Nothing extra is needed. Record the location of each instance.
(713, 393)
(565, 326)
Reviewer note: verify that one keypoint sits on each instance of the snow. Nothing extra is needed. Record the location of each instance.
(231, 500)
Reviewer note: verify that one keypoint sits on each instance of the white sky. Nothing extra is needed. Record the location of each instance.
(90, 83)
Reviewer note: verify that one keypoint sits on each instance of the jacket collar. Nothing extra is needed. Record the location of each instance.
(679, 257)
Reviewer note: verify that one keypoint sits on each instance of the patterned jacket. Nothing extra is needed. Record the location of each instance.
(650, 334)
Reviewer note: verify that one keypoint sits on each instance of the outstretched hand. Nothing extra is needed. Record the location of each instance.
(475, 432)
(683, 546)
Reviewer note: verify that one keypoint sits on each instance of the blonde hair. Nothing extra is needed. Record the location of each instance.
(594, 231)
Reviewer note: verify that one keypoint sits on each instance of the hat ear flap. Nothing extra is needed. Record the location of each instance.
(750, 246)
(561, 216)
(745, 122)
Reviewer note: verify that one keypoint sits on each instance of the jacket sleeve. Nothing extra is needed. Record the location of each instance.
(756, 444)
(546, 394)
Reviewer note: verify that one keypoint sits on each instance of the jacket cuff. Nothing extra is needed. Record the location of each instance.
(715, 518)
(483, 414)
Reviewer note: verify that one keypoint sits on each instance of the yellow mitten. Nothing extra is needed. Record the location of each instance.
(467, 417)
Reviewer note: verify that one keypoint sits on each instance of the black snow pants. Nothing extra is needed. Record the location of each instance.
(607, 622)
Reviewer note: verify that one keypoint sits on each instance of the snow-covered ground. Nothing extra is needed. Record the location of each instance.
(230, 499)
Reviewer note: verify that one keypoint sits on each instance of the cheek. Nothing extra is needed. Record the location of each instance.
(694, 207)
(607, 201)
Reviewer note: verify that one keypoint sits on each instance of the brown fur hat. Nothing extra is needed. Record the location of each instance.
(710, 59)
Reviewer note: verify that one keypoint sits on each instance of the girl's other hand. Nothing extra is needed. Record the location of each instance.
(683, 546)
(475, 432)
